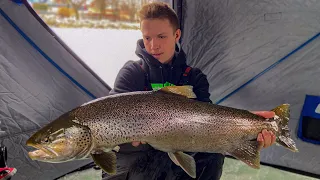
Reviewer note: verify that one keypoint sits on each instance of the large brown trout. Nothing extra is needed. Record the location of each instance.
(169, 119)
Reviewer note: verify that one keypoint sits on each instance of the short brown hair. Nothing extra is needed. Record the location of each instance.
(159, 10)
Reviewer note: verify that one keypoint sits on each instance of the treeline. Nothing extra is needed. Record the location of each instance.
(116, 10)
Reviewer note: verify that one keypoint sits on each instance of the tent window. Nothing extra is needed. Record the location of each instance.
(309, 126)
(103, 33)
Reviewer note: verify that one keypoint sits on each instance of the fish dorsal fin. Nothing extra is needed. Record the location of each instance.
(185, 161)
(186, 90)
(107, 161)
(249, 153)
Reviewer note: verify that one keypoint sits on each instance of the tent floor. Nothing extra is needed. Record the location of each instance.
(237, 170)
(233, 169)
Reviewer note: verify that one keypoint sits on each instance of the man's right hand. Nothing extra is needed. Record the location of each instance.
(137, 143)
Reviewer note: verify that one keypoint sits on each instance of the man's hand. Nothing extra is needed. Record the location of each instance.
(137, 143)
(265, 138)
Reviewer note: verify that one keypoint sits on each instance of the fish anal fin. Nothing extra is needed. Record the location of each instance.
(173, 158)
(107, 161)
(185, 161)
(186, 90)
(248, 153)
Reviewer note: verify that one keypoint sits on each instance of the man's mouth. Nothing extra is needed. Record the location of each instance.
(156, 55)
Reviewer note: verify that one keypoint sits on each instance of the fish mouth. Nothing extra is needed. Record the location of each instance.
(41, 152)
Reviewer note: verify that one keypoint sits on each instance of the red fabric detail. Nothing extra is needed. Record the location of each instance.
(187, 71)
(7, 172)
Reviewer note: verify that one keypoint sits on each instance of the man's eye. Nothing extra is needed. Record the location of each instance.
(162, 37)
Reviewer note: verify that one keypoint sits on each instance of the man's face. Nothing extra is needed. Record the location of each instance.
(160, 39)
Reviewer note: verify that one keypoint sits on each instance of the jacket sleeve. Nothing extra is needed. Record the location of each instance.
(200, 85)
(130, 78)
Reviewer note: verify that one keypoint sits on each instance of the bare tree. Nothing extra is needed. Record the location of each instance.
(101, 6)
(115, 9)
(76, 4)
(133, 9)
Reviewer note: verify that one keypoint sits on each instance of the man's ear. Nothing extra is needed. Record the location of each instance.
(177, 35)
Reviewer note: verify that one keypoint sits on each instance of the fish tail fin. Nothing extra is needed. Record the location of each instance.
(282, 115)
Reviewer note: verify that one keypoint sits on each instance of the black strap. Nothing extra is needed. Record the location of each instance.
(3, 156)
(184, 79)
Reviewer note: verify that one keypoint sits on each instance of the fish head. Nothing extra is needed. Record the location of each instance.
(64, 139)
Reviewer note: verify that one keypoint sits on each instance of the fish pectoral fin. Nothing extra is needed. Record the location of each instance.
(248, 153)
(185, 161)
(186, 90)
(107, 161)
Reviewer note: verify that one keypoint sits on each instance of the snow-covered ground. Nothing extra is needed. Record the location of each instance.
(103, 50)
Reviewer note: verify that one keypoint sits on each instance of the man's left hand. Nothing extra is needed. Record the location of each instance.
(265, 138)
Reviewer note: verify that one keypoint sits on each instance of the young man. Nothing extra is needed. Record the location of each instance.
(163, 63)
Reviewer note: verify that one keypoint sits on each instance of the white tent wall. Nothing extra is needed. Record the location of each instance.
(34, 91)
(233, 41)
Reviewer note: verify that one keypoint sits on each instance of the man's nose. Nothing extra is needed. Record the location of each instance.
(154, 44)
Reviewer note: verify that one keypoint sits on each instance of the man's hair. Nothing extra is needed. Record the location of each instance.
(159, 10)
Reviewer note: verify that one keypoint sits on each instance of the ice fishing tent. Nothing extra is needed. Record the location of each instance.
(40, 79)
(256, 54)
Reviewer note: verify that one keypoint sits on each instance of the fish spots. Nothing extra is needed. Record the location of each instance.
(84, 139)
(149, 116)
(192, 141)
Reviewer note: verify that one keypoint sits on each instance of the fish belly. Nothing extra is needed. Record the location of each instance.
(198, 134)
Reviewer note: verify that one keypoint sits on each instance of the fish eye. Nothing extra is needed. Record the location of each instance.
(46, 140)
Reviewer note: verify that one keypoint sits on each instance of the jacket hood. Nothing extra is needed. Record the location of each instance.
(179, 58)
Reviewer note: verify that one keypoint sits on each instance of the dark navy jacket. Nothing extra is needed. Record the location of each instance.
(152, 164)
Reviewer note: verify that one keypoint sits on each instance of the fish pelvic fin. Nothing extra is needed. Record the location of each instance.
(107, 161)
(249, 153)
(185, 161)
(185, 90)
(282, 115)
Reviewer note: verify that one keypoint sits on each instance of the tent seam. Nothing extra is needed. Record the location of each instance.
(269, 68)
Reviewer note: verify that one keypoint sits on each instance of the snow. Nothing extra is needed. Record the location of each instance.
(104, 50)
